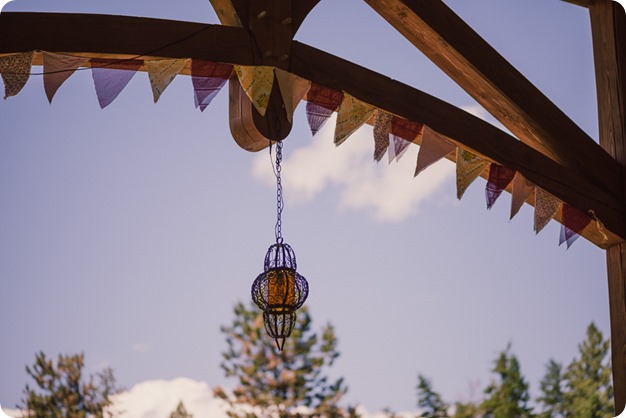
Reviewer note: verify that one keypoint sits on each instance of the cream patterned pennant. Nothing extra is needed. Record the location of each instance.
(546, 206)
(351, 115)
(257, 82)
(15, 70)
(58, 68)
(468, 168)
(382, 129)
(292, 89)
(162, 72)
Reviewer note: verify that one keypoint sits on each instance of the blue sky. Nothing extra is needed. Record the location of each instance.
(129, 233)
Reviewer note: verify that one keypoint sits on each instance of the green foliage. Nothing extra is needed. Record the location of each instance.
(181, 412)
(283, 384)
(552, 391)
(584, 390)
(508, 395)
(429, 401)
(589, 390)
(62, 391)
(466, 410)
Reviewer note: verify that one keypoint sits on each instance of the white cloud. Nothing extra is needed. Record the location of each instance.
(158, 398)
(389, 193)
(11, 413)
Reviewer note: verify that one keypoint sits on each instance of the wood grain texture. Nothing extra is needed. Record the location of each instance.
(500, 88)
(123, 35)
(269, 26)
(608, 27)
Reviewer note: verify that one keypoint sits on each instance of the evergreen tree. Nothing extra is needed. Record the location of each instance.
(63, 393)
(283, 384)
(181, 412)
(589, 391)
(507, 396)
(467, 410)
(551, 386)
(429, 401)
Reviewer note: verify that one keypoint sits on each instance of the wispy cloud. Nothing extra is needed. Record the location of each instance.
(389, 193)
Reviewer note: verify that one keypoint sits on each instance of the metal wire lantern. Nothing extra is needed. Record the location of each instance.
(279, 291)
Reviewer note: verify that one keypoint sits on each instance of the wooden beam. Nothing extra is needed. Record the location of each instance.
(478, 68)
(325, 69)
(608, 27)
(583, 3)
(468, 130)
(131, 36)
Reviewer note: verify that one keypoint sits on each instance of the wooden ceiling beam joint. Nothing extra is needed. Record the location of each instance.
(501, 89)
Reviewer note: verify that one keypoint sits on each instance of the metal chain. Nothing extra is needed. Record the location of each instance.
(280, 202)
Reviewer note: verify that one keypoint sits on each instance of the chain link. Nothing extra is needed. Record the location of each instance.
(280, 202)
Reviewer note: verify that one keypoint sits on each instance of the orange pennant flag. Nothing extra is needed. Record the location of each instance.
(520, 190)
(58, 68)
(432, 149)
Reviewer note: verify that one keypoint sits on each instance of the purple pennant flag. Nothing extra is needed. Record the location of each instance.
(208, 78)
(206, 88)
(110, 82)
(574, 221)
(400, 146)
(321, 103)
(57, 69)
(499, 178)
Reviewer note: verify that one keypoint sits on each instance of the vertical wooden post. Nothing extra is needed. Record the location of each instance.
(608, 25)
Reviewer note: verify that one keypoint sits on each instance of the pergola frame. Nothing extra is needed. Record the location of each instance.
(548, 149)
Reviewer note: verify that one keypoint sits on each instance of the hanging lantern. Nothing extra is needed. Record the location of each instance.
(279, 291)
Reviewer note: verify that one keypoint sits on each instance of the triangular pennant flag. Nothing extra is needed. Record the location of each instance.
(520, 190)
(546, 206)
(405, 129)
(573, 222)
(110, 82)
(162, 72)
(15, 70)
(292, 89)
(400, 145)
(207, 79)
(321, 103)
(257, 82)
(499, 178)
(58, 68)
(468, 168)
(382, 128)
(351, 115)
(433, 148)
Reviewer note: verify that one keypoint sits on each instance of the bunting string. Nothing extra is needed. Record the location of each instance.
(392, 134)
